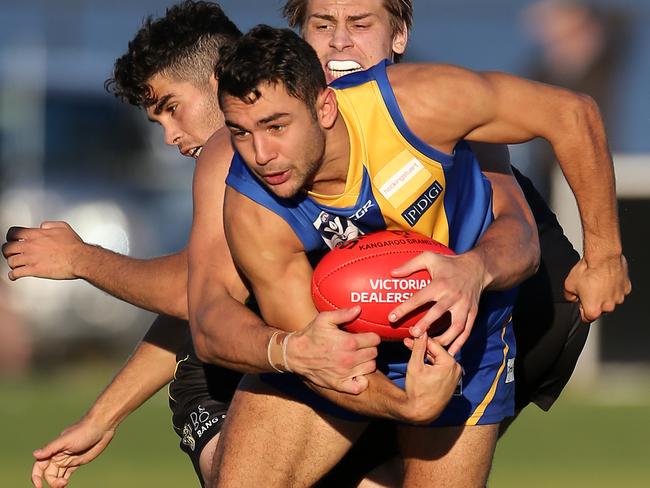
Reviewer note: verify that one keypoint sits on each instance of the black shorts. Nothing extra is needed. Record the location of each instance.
(199, 396)
(550, 335)
(207, 390)
(376, 446)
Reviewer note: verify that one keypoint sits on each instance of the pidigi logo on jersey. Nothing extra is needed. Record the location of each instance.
(424, 202)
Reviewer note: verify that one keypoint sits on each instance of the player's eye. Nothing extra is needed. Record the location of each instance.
(361, 26)
(276, 128)
(171, 108)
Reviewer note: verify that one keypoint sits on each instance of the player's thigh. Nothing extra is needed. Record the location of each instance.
(447, 456)
(270, 440)
(206, 460)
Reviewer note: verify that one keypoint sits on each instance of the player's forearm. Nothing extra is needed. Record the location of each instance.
(382, 399)
(147, 371)
(157, 284)
(587, 165)
(228, 334)
(507, 253)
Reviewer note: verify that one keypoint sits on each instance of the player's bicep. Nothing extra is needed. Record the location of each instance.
(211, 269)
(514, 110)
(444, 103)
(270, 256)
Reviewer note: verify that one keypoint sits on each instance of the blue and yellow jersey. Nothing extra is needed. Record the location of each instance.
(396, 181)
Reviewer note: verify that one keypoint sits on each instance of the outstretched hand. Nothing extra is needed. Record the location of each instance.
(332, 358)
(77, 445)
(432, 375)
(599, 286)
(456, 286)
(46, 252)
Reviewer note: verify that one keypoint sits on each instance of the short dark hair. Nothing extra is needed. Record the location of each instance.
(400, 11)
(269, 55)
(184, 44)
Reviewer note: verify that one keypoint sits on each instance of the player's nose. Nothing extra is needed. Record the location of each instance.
(341, 38)
(264, 151)
(172, 135)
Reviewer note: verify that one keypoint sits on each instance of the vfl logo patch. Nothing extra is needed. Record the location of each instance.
(422, 204)
(336, 230)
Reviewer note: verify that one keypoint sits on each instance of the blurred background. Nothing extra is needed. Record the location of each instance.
(70, 151)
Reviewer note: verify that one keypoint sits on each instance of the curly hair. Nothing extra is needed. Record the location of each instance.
(400, 12)
(269, 55)
(183, 45)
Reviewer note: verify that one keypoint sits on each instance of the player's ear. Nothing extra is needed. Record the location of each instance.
(213, 83)
(400, 39)
(327, 108)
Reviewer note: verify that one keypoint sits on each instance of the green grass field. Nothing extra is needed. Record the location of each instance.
(579, 443)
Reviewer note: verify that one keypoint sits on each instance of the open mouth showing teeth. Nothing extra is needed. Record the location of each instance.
(196, 152)
(341, 68)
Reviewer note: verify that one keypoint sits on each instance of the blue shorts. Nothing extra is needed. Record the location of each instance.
(486, 391)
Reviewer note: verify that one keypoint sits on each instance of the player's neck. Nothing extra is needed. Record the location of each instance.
(333, 172)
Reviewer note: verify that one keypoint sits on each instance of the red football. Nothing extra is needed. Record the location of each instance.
(359, 273)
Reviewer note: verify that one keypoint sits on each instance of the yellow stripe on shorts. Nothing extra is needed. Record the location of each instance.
(480, 410)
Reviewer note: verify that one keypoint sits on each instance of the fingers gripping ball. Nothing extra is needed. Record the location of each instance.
(359, 273)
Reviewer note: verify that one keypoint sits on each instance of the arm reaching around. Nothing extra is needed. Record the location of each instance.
(570, 122)
(55, 251)
(506, 254)
(136, 382)
(428, 387)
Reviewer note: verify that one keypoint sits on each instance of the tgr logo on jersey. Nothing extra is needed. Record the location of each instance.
(363, 210)
(392, 290)
(422, 204)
